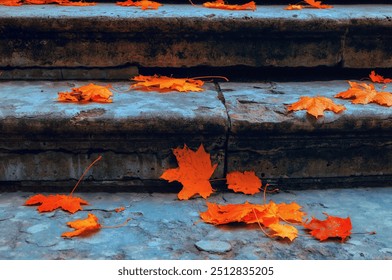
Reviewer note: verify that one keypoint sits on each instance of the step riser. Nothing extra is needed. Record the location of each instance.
(182, 35)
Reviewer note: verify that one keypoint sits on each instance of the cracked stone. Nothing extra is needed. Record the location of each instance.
(214, 247)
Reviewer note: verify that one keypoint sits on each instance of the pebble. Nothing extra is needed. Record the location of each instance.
(214, 247)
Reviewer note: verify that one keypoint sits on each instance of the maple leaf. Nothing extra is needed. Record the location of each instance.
(220, 4)
(166, 84)
(49, 203)
(294, 7)
(316, 106)
(87, 93)
(68, 203)
(144, 4)
(363, 93)
(193, 172)
(246, 182)
(318, 4)
(284, 231)
(83, 227)
(10, 2)
(375, 78)
(290, 212)
(331, 227)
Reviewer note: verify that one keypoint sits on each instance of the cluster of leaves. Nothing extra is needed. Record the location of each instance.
(359, 93)
(147, 4)
(71, 204)
(194, 172)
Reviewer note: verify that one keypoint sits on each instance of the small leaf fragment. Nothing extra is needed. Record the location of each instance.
(246, 182)
(83, 227)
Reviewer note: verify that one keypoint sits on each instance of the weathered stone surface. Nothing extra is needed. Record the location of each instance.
(44, 141)
(213, 246)
(294, 149)
(182, 35)
(162, 227)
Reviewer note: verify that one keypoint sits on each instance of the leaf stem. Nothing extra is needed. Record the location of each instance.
(84, 173)
(261, 228)
(118, 226)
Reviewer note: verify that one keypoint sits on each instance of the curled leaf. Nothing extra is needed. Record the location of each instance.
(375, 78)
(193, 172)
(246, 182)
(316, 106)
(83, 227)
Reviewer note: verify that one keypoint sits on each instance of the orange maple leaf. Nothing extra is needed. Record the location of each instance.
(49, 203)
(83, 227)
(375, 78)
(283, 231)
(166, 84)
(318, 4)
(68, 203)
(290, 212)
(331, 227)
(316, 106)
(220, 4)
(10, 2)
(363, 93)
(246, 182)
(144, 4)
(294, 7)
(87, 93)
(193, 172)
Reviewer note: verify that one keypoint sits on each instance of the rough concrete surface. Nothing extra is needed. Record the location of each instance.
(106, 35)
(162, 227)
(244, 126)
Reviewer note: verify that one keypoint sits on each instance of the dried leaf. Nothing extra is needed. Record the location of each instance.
(294, 7)
(316, 106)
(290, 212)
(10, 2)
(165, 84)
(119, 209)
(220, 4)
(363, 93)
(193, 172)
(83, 227)
(284, 231)
(49, 203)
(246, 182)
(144, 4)
(87, 93)
(375, 78)
(331, 227)
(318, 4)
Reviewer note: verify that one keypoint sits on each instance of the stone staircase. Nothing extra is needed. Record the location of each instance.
(271, 57)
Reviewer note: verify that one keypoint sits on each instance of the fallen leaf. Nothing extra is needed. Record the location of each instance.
(220, 4)
(10, 2)
(77, 3)
(165, 84)
(49, 203)
(246, 182)
(119, 209)
(283, 231)
(331, 227)
(83, 227)
(375, 78)
(144, 4)
(193, 172)
(318, 4)
(291, 212)
(294, 7)
(363, 93)
(316, 106)
(87, 93)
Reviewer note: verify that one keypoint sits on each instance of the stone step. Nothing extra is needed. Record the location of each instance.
(244, 126)
(56, 42)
